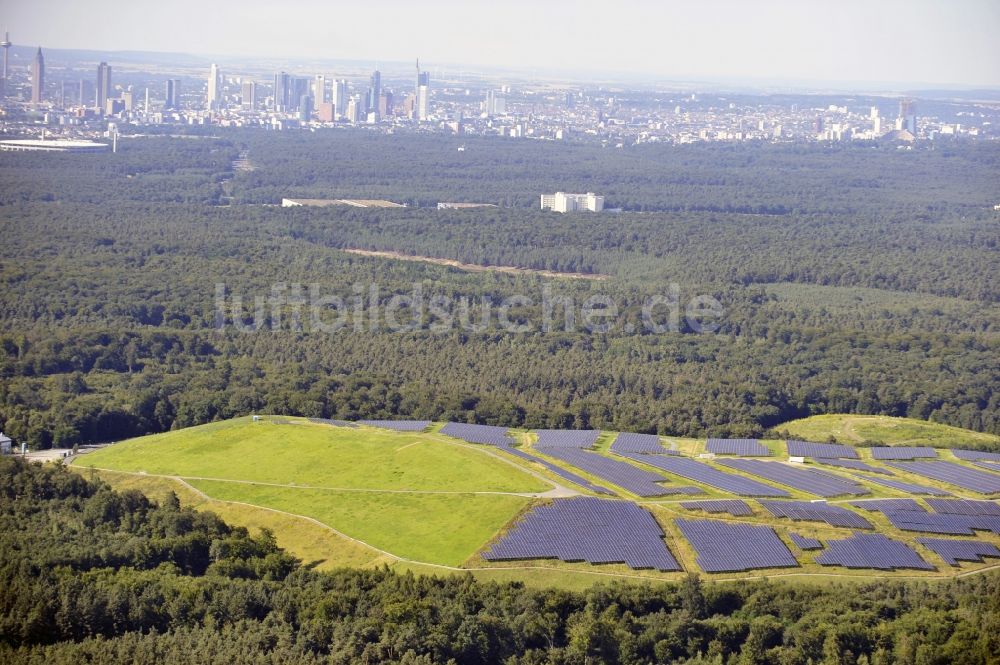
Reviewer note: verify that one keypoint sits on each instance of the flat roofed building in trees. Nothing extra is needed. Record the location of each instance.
(5, 444)
(51, 145)
(563, 202)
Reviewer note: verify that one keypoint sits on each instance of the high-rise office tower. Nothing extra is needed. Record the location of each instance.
(305, 108)
(319, 90)
(37, 77)
(248, 95)
(385, 104)
(279, 101)
(128, 99)
(908, 115)
(103, 89)
(299, 88)
(339, 98)
(496, 103)
(374, 90)
(5, 44)
(421, 93)
(173, 95)
(353, 110)
(214, 88)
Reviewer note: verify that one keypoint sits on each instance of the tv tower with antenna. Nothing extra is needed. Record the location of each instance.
(6, 47)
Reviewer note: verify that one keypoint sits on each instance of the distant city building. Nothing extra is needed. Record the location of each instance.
(114, 106)
(339, 97)
(128, 100)
(563, 202)
(38, 77)
(374, 90)
(214, 88)
(319, 90)
(103, 87)
(421, 93)
(326, 112)
(385, 104)
(496, 103)
(353, 109)
(281, 92)
(173, 94)
(248, 95)
(908, 115)
(305, 108)
(300, 87)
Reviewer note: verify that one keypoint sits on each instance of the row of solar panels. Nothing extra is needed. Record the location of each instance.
(599, 531)
(646, 448)
(629, 442)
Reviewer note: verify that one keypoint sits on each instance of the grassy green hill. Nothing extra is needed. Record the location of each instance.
(295, 451)
(848, 428)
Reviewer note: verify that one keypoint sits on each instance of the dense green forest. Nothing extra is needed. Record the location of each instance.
(853, 279)
(88, 574)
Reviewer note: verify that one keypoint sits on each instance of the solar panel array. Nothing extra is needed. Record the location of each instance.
(807, 480)
(953, 551)
(978, 455)
(566, 438)
(703, 473)
(741, 447)
(909, 488)
(871, 550)
(902, 452)
(805, 543)
(912, 517)
(735, 507)
(798, 448)
(889, 504)
(398, 425)
(964, 506)
(989, 466)
(645, 444)
(561, 472)
(729, 546)
(817, 512)
(587, 529)
(622, 474)
(973, 480)
(854, 465)
(484, 434)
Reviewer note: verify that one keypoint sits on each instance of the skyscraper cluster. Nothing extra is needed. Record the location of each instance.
(330, 98)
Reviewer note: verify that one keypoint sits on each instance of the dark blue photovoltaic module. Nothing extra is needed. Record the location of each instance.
(587, 529)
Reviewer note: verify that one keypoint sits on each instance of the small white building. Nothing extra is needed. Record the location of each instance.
(5, 444)
(563, 202)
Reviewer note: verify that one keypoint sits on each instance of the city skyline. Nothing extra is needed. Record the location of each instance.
(893, 41)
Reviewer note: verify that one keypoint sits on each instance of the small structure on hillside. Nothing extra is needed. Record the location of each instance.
(5, 444)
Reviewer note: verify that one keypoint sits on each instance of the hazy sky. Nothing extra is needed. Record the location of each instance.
(924, 41)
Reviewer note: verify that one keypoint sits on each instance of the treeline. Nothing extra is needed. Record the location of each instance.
(89, 574)
(96, 387)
